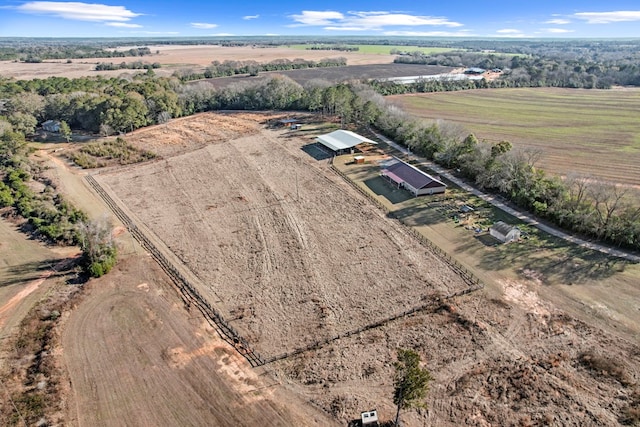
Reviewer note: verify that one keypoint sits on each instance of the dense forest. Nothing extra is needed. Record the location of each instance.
(114, 105)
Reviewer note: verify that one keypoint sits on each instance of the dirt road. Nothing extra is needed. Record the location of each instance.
(136, 356)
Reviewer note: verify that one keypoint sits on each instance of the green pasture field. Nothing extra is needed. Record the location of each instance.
(584, 282)
(384, 49)
(590, 132)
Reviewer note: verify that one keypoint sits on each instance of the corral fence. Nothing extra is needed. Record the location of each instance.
(186, 288)
(469, 278)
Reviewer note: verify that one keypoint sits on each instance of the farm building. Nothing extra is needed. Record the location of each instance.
(504, 232)
(412, 179)
(341, 141)
(51, 126)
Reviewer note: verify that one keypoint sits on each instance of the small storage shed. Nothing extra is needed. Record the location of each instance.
(414, 180)
(343, 141)
(504, 232)
(369, 418)
(51, 126)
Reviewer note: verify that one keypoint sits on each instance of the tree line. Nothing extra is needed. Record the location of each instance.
(230, 68)
(135, 65)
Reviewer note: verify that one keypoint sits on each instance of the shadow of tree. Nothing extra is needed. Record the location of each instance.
(34, 270)
(553, 263)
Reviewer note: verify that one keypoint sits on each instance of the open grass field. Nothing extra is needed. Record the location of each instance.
(590, 132)
(383, 49)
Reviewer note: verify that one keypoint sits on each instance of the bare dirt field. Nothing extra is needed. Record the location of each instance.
(172, 57)
(283, 248)
(290, 254)
(137, 356)
(337, 74)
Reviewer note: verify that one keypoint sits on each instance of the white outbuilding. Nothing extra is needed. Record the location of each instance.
(343, 141)
(504, 232)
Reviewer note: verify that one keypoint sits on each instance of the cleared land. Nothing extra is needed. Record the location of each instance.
(232, 211)
(172, 58)
(284, 249)
(591, 132)
(137, 356)
(511, 354)
(339, 74)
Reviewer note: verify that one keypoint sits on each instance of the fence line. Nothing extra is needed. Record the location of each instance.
(189, 292)
(467, 276)
(229, 334)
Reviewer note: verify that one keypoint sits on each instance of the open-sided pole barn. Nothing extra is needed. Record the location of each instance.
(343, 141)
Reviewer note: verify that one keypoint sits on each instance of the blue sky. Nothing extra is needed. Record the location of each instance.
(162, 18)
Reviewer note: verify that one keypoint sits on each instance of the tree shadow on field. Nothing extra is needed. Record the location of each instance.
(29, 271)
(419, 215)
(554, 264)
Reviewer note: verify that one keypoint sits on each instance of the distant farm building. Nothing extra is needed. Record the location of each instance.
(504, 232)
(51, 126)
(412, 179)
(293, 124)
(343, 141)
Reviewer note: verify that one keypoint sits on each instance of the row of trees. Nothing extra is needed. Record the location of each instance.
(230, 68)
(135, 65)
(39, 52)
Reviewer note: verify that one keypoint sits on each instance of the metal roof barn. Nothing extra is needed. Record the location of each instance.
(341, 140)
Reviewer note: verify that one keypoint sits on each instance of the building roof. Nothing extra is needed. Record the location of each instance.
(413, 176)
(503, 228)
(342, 140)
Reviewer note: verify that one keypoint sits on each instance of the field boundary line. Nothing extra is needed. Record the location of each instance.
(185, 286)
(467, 276)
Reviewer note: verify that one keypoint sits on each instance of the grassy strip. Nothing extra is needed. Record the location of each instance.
(103, 153)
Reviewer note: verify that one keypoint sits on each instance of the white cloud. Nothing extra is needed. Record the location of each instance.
(463, 33)
(362, 21)
(249, 17)
(558, 21)
(203, 25)
(556, 30)
(609, 17)
(123, 25)
(169, 33)
(223, 34)
(312, 17)
(79, 11)
(510, 32)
